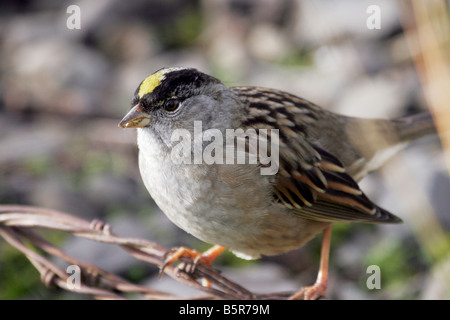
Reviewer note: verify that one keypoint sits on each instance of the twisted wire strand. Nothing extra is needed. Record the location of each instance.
(17, 227)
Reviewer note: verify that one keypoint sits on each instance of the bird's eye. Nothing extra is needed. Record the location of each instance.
(171, 105)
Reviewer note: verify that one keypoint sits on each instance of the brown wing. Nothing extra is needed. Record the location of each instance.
(310, 181)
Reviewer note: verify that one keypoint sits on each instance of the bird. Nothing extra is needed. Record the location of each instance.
(317, 158)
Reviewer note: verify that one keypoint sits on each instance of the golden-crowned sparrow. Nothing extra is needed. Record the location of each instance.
(319, 155)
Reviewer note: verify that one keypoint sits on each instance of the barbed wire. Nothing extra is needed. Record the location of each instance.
(17, 224)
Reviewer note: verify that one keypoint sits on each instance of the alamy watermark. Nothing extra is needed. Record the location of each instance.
(374, 280)
(234, 146)
(373, 21)
(74, 280)
(74, 19)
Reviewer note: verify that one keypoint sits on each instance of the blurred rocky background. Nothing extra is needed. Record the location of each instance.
(63, 92)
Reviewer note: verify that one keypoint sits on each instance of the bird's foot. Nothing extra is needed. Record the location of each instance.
(313, 292)
(206, 258)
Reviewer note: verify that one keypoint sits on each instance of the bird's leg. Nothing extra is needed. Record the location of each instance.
(318, 289)
(206, 258)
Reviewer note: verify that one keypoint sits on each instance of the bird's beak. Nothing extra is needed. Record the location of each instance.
(135, 118)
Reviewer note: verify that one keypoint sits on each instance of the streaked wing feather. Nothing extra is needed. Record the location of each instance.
(332, 212)
(311, 181)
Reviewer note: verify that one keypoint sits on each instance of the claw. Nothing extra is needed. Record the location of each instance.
(319, 288)
(175, 254)
(313, 292)
(205, 258)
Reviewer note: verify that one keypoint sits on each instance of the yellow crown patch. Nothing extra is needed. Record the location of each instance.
(154, 80)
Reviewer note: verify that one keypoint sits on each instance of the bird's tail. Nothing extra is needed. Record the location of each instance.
(377, 141)
(415, 126)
